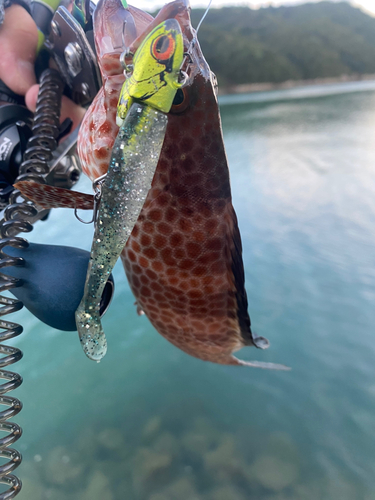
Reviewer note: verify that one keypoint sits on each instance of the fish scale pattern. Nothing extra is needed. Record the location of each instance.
(98, 129)
(179, 257)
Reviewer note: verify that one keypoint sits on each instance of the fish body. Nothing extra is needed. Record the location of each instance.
(183, 258)
(133, 162)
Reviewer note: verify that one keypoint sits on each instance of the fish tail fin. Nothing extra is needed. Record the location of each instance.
(260, 364)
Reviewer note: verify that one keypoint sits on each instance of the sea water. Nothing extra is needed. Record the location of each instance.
(151, 423)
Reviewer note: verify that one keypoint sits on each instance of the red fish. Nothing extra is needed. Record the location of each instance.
(183, 259)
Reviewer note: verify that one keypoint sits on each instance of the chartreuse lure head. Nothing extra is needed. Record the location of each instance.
(157, 64)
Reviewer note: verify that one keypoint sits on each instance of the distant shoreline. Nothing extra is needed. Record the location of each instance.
(263, 87)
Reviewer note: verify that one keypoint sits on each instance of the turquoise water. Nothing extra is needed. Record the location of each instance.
(151, 423)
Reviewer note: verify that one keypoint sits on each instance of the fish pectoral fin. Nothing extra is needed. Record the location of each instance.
(47, 197)
(260, 342)
(140, 311)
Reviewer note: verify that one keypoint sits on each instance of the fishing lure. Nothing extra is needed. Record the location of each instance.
(145, 99)
(115, 28)
(183, 258)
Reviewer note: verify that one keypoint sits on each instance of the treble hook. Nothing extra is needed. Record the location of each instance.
(97, 186)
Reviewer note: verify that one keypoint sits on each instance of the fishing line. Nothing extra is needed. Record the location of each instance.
(202, 19)
(195, 38)
(187, 54)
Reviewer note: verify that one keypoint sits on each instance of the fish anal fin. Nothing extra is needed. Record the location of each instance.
(47, 197)
(140, 311)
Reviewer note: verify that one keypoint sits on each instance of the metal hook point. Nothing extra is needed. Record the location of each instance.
(97, 186)
(128, 68)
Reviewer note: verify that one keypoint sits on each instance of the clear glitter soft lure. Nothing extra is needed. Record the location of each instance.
(145, 99)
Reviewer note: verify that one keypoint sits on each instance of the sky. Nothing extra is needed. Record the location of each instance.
(366, 5)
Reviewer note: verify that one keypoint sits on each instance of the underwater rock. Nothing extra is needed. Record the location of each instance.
(273, 473)
(223, 463)
(151, 470)
(98, 488)
(310, 491)
(182, 489)
(339, 487)
(202, 438)
(166, 443)
(55, 494)
(112, 468)
(63, 467)
(278, 466)
(159, 496)
(152, 428)
(280, 496)
(32, 484)
(197, 443)
(111, 439)
(203, 425)
(87, 443)
(227, 492)
(280, 445)
(31, 489)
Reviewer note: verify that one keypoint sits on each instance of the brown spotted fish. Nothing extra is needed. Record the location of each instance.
(183, 258)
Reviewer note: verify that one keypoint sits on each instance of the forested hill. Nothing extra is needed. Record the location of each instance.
(271, 44)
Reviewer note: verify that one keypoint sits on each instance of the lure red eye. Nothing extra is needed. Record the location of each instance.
(163, 47)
